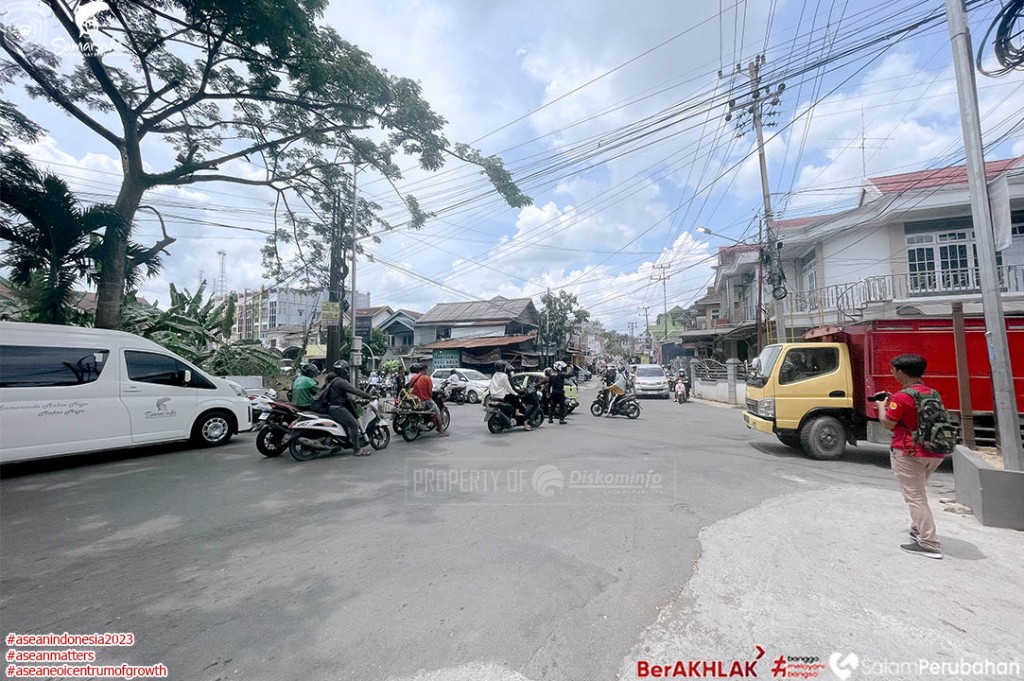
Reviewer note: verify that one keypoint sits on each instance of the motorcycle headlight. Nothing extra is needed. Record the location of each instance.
(766, 408)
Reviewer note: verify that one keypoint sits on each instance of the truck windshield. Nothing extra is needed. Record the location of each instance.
(763, 365)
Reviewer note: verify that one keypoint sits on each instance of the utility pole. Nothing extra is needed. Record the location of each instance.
(768, 247)
(356, 360)
(995, 322)
(335, 284)
(647, 328)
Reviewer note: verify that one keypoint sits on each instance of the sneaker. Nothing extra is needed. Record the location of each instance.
(563, 422)
(921, 551)
(442, 433)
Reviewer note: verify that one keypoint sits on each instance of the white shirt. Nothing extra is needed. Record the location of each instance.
(500, 385)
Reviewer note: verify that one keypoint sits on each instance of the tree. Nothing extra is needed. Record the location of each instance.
(53, 242)
(617, 344)
(559, 317)
(231, 80)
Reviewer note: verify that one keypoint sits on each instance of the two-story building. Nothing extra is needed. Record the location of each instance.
(479, 333)
(907, 248)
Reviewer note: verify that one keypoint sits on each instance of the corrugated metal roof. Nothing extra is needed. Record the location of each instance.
(486, 342)
(496, 309)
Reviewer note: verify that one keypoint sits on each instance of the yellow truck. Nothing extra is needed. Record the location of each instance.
(813, 395)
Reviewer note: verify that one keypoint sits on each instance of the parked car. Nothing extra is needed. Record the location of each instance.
(476, 381)
(69, 390)
(651, 380)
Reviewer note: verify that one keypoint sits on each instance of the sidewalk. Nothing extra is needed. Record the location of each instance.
(820, 573)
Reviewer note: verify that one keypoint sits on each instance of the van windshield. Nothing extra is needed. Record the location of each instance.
(650, 372)
(763, 365)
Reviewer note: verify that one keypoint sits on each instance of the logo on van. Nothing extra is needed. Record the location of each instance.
(162, 412)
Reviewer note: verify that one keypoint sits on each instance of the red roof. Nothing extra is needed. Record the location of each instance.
(938, 177)
(793, 223)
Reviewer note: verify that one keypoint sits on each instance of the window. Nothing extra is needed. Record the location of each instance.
(272, 313)
(33, 367)
(152, 367)
(443, 332)
(804, 363)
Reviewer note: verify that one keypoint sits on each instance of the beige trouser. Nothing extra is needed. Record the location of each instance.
(912, 473)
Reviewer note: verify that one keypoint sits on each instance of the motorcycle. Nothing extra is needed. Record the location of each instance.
(310, 438)
(500, 415)
(262, 403)
(410, 425)
(682, 388)
(274, 424)
(627, 405)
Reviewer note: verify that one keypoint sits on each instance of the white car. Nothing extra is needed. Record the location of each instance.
(476, 382)
(650, 380)
(69, 390)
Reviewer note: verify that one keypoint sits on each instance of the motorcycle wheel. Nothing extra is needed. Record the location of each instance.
(596, 408)
(381, 438)
(300, 452)
(570, 410)
(537, 419)
(411, 430)
(632, 411)
(270, 442)
(446, 418)
(460, 398)
(494, 424)
(398, 423)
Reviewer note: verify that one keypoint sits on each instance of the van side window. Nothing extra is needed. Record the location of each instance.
(34, 367)
(804, 363)
(152, 367)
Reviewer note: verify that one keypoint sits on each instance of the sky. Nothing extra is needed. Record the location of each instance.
(612, 117)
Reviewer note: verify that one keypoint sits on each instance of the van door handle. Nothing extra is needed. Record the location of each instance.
(837, 393)
(131, 389)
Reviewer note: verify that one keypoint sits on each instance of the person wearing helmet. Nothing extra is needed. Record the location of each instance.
(422, 387)
(341, 408)
(304, 386)
(556, 385)
(500, 388)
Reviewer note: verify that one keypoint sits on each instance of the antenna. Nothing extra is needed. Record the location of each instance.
(222, 277)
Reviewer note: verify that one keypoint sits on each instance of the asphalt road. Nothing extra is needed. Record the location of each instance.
(538, 555)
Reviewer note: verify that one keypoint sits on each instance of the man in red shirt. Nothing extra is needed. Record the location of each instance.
(911, 463)
(422, 387)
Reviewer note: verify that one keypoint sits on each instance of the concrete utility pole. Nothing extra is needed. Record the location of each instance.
(335, 284)
(988, 272)
(663, 278)
(356, 360)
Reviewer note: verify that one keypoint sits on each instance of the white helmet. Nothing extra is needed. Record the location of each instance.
(560, 366)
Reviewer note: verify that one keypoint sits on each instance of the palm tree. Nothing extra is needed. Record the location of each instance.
(53, 242)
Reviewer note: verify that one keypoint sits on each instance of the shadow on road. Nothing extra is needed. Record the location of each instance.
(60, 463)
(871, 455)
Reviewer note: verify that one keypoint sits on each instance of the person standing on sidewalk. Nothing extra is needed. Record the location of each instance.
(912, 464)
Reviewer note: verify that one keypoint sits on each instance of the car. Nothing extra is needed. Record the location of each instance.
(651, 381)
(476, 382)
(71, 390)
(572, 391)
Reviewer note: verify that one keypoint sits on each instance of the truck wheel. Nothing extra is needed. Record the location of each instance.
(824, 438)
(789, 439)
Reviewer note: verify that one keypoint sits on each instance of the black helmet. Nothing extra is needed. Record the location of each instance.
(309, 369)
(417, 368)
(340, 365)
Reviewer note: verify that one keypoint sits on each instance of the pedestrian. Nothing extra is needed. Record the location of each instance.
(912, 462)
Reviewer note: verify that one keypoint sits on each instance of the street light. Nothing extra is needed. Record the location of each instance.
(760, 275)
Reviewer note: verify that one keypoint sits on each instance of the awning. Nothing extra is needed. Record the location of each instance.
(485, 342)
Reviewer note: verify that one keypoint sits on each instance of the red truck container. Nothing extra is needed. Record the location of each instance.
(873, 344)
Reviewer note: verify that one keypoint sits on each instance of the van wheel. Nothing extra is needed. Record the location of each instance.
(824, 438)
(212, 430)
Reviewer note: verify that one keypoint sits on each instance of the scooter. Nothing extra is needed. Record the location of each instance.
(456, 392)
(415, 423)
(627, 405)
(274, 425)
(500, 415)
(682, 389)
(311, 438)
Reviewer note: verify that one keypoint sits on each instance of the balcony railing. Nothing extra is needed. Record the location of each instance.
(850, 298)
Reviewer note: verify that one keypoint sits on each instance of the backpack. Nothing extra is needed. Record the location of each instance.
(935, 434)
(319, 403)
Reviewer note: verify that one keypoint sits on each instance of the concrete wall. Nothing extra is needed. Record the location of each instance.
(856, 254)
(717, 391)
(477, 331)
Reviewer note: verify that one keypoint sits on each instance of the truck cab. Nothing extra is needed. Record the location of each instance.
(803, 393)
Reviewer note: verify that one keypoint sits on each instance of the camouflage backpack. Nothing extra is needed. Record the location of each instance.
(935, 434)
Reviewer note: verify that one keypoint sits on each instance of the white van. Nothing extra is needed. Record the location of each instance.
(68, 390)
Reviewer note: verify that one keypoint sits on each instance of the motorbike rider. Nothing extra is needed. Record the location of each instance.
(556, 386)
(455, 381)
(304, 385)
(341, 407)
(500, 388)
(617, 389)
(544, 385)
(421, 387)
(680, 386)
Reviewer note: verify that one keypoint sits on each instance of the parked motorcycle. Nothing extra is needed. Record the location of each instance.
(500, 415)
(311, 438)
(627, 405)
(415, 423)
(274, 425)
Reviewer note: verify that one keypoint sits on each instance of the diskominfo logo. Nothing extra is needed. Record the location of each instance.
(701, 669)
